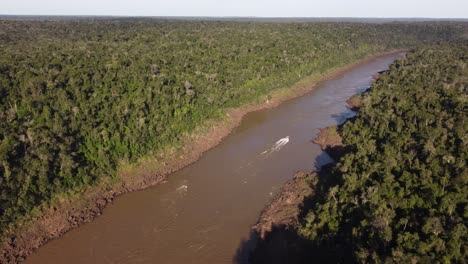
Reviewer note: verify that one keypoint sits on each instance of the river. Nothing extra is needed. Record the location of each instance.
(204, 211)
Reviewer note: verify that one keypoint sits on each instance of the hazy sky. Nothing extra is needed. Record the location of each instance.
(260, 8)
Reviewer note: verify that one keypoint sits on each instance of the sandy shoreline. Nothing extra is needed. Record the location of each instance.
(69, 212)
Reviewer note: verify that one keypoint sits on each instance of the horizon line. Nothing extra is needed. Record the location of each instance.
(209, 16)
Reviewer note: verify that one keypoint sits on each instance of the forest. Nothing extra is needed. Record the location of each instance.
(79, 97)
(400, 192)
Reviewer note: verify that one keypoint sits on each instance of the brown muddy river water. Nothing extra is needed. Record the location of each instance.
(204, 211)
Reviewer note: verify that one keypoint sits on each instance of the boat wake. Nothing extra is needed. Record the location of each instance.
(278, 145)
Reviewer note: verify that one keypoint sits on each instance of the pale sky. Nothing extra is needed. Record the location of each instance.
(258, 8)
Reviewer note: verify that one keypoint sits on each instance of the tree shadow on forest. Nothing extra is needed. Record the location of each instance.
(284, 245)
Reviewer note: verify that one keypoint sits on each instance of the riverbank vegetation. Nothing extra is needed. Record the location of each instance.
(400, 193)
(79, 97)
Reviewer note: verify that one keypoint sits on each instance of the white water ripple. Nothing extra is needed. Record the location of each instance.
(278, 145)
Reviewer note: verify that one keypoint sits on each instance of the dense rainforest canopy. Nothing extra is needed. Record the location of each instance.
(78, 97)
(400, 195)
